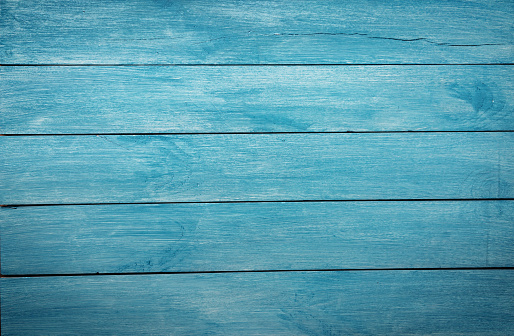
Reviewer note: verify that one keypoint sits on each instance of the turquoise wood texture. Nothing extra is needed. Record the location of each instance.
(258, 167)
(67, 100)
(212, 144)
(297, 303)
(256, 236)
(257, 32)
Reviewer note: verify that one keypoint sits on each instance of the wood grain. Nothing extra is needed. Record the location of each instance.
(298, 195)
(258, 167)
(68, 100)
(317, 303)
(256, 32)
(258, 236)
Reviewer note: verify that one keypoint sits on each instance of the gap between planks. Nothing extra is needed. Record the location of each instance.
(264, 271)
(253, 133)
(239, 65)
(265, 201)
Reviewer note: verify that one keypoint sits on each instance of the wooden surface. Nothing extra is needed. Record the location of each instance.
(256, 32)
(256, 167)
(314, 303)
(68, 100)
(256, 236)
(262, 167)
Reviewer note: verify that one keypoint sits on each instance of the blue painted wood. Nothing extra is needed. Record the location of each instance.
(206, 168)
(306, 31)
(318, 303)
(69, 100)
(259, 167)
(260, 236)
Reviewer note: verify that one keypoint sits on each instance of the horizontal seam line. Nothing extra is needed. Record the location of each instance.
(243, 64)
(265, 201)
(251, 133)
(264, 271)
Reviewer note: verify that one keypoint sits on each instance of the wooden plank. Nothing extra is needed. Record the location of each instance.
(258, 236)
(257, 32)
(257, 167)
(325, 303)
(67, 100)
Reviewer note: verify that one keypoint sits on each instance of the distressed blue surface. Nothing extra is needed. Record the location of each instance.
(67, 100)
(256, 236)
(196, 67)
(298, 303)
(257, 167)
(305, 31)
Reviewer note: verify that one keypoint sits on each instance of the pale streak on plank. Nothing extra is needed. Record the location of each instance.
(269, 167)
(257, 32)
(317, 303)
(67, 100)
(256, 236)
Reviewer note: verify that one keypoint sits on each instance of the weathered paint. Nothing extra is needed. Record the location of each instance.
(257, 67)
(291, 303)
(257, 32)
(68, 100)
(256, 236)
(256, 167)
